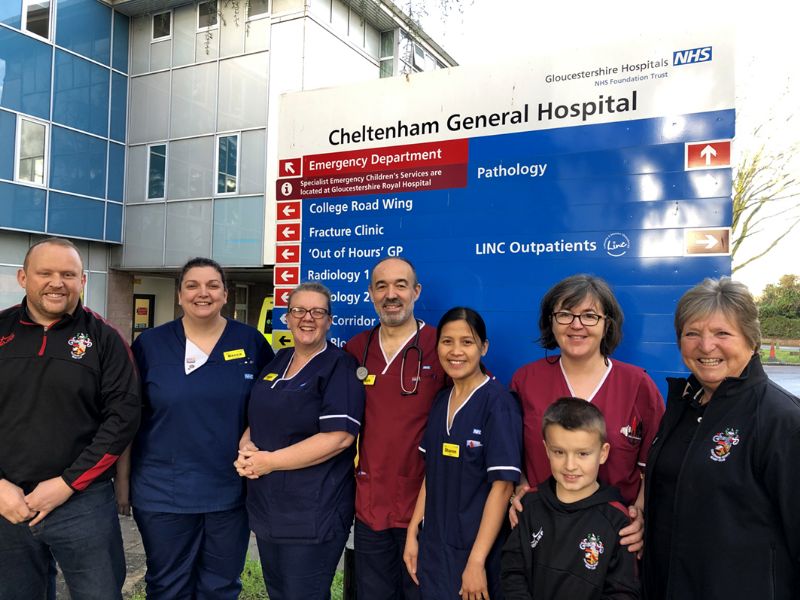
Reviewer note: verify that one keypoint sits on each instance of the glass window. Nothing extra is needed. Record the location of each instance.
(81, 94)
(36, 17)
(84, 28)
(31, 151)
(73, 215)
(258, 8)
(387, 67)
(239, 231)
(227, 164)
(241, 301)
(207, 15)
(387, 44)
(156, 171)
(162, 26)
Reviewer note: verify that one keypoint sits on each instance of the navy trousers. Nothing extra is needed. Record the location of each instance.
(194, 556)
(300, 571)
(83, 536)
(381, 573)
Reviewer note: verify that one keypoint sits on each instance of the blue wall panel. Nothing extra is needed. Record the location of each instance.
(113, 222)
(22, 207)
(81, 94)
(25, 81)
(84, 26)
(11, 12)
(119, 60)
(70, 215)
(77, 163)
(119, 103)
(116, 171)
(8, 127)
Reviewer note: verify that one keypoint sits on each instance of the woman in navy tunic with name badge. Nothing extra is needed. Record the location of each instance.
(305, 413)
(197, 372)
(473, 449)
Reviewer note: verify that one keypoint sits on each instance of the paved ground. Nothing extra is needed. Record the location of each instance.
(788, 377)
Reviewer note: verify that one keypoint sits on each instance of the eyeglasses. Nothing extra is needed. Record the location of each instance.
(564, 317)
(317, 313)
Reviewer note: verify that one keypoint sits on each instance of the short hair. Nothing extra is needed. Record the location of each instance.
(569, 293)
(732, 298)
(200, 261)
(55, 241)
(401, 259)
(575, 414)
(311, 286)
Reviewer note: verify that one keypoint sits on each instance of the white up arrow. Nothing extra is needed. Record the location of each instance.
(707, 153)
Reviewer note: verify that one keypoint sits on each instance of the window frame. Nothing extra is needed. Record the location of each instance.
(18, 148)
(263, 15)
(217, 172)
(163, 38)
(216, 16)
(24, 19)
(147, 172)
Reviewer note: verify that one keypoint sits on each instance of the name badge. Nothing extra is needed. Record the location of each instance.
(234, 354)
(369, 380)
(450, 450)
(270, 377)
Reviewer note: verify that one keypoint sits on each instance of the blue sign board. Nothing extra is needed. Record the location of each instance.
(497, 197)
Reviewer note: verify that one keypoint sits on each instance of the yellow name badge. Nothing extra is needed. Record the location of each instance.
(450, 450)
(270, 376)
(369, 380)
(234, 354)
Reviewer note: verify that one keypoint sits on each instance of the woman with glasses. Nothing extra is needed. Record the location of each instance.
(582, 319)
(305, 412)
(196, 372)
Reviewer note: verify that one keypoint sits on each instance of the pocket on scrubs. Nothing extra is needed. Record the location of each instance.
(407, 492)
(294, 508)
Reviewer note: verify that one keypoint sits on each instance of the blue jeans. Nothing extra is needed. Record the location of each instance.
(82, 535)
(194, 556)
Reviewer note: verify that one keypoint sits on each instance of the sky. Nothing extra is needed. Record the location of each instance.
(767, 68)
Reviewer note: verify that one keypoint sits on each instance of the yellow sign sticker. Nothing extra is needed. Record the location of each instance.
(270, 377)
(369, 380)
(234, 354)
(450, 450)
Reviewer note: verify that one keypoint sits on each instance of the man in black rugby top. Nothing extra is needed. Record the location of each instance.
(69, 406)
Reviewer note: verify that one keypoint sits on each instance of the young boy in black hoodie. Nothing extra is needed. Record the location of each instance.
(567, 542)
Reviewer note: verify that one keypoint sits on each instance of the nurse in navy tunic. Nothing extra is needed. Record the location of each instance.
(305, 413)
(197, 372)
(472, 448)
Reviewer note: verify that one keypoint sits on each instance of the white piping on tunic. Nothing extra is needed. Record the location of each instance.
(289, 364)
(389, 361)
(449, 422)
(596, 389)
(341, 417)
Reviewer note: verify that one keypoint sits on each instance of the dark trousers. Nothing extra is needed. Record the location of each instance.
(194, 556)
(83, 536)
(381, 573)
(300, 571)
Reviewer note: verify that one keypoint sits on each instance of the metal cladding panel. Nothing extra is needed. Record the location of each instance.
(497, 182)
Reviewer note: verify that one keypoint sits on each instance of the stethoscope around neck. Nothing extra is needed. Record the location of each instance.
(362, 372)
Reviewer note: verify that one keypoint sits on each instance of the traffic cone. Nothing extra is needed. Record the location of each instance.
(772, 357)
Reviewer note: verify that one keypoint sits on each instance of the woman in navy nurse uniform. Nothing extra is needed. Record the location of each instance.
(197, 372)
(473, 449)
(305, 412)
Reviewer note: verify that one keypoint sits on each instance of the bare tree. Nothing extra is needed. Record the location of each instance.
(766, 191)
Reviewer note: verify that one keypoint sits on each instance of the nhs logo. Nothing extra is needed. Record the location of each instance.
(695, 55)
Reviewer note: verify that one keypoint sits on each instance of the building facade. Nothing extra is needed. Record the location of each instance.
(144, 130)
